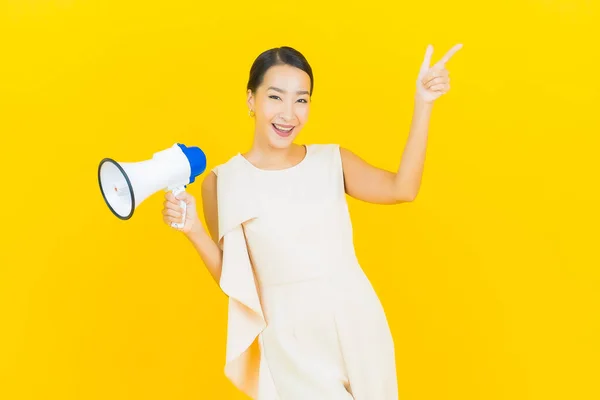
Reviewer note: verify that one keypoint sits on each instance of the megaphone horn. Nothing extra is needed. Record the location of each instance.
(125, 185)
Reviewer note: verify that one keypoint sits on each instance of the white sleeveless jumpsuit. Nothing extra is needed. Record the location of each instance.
(304, 322)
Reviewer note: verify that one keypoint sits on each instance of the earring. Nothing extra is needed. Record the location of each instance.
(250, 113)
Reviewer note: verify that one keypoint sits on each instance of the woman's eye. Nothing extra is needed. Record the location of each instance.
(274, 97)
(303, 100)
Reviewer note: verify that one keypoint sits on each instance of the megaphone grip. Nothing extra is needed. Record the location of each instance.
(182, 204)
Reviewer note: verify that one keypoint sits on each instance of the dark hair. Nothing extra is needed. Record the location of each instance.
(277, 56)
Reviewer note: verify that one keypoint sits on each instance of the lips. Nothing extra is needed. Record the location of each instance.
(283, 130)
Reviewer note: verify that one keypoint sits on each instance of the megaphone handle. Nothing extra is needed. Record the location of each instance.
(176, 191)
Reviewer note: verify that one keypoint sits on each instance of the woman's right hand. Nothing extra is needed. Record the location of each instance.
(172, 212)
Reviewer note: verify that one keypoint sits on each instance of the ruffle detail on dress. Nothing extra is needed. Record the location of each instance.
(245, 315)
(246, 319)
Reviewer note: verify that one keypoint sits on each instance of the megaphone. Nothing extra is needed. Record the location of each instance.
(124, 185)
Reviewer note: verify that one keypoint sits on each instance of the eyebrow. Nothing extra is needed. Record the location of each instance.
(283, 91)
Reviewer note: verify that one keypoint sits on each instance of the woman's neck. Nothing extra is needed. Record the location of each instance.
(265, 156)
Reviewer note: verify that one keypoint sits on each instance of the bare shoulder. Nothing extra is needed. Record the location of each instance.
(352, 163)
(364, 181)
(210, 181)
(210, 204)
(348, 155)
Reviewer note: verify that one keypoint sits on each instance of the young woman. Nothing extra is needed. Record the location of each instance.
(304, 320)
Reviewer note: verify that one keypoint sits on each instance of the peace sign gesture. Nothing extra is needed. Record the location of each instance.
(434, 81)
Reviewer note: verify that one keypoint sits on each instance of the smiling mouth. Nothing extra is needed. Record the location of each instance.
(283, 130)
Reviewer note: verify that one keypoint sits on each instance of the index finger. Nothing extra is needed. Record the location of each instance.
(170, 196)
(448, 55)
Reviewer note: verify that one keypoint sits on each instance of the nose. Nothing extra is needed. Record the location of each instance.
(287, 113)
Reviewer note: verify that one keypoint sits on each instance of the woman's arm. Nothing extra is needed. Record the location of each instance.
(368, 183)
(205, 243)
(375, 185)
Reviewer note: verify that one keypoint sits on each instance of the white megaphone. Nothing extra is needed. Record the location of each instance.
(125, 185)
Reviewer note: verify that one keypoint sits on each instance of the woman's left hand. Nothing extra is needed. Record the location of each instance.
(434, 81)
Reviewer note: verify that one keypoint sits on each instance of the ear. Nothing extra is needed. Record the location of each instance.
(250, 100)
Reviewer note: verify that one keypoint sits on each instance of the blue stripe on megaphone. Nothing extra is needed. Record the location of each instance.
(196, 158)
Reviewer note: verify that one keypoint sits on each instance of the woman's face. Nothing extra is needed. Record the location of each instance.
(281, 105)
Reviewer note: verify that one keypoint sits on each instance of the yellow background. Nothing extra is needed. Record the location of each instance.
(490, 279)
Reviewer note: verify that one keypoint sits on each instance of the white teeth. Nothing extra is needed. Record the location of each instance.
(282, 128)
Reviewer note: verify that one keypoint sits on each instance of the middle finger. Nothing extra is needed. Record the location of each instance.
(171, 212)
(437, 81)
(173, 206)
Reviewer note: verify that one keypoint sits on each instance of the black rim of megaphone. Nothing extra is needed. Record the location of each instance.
(128, 185)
